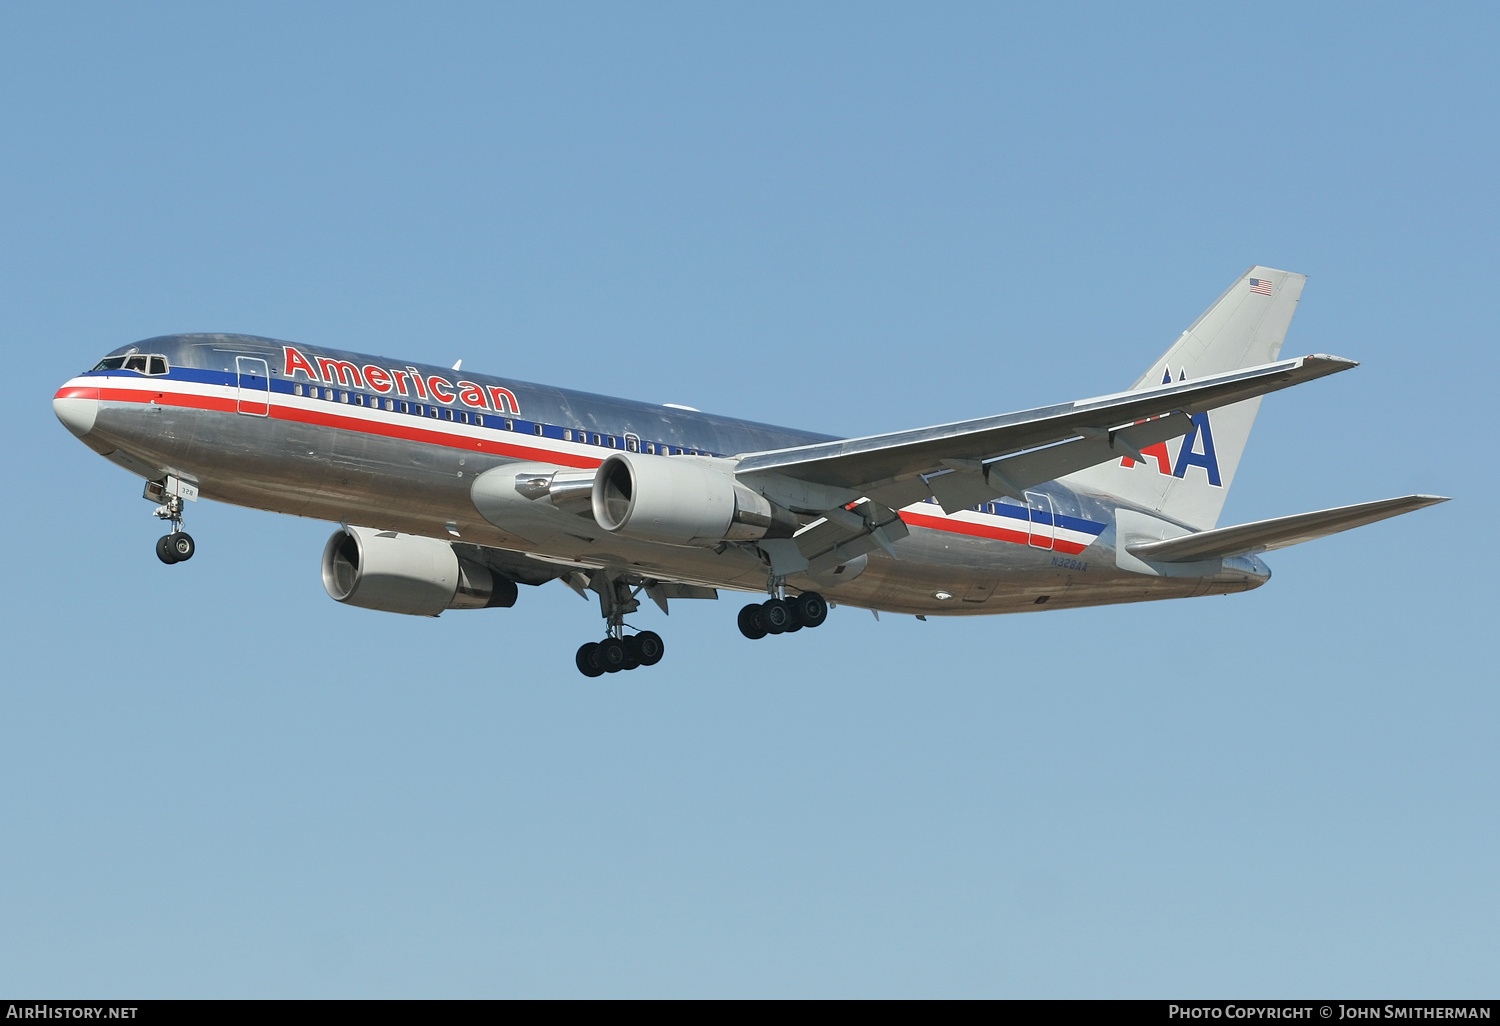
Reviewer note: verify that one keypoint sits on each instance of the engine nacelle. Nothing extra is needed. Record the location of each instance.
(406, 573)
(680, 501)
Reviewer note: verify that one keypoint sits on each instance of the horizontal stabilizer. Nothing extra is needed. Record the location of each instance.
(1246, 539)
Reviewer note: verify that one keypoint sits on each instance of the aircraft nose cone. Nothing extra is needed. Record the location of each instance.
(77, 408)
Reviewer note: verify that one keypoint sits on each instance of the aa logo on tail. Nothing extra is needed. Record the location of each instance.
(1195, 450)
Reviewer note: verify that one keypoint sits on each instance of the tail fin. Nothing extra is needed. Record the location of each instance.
(1188, 479)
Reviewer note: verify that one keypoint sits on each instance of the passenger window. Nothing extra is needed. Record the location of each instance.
(596, 439)
(296, 389)
(632, 443)
(343, 397)
(567, 434)
(390, 405)
(158, 365)
(510, 425)
(609, 441)
(434, 412)
(537, 428)
(479, 419)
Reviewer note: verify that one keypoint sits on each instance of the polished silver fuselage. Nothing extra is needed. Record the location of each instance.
(363, 456)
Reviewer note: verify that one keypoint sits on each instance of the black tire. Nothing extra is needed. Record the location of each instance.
(612, 655)
(753, 621)
(778, 616)
(164, 550)
(588, 660)
(632, 652)
(651, 647)
(182, 546)
(812, 609)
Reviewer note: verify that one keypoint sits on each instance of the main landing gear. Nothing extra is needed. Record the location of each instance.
(623, 653)
(618, 651)
(176, 547)
(783, 615)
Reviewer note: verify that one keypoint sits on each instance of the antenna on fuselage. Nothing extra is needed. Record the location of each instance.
(457, 365)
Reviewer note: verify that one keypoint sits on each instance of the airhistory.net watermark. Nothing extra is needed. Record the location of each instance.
(45, 1010)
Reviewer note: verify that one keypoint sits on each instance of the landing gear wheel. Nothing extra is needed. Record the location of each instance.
(811, 608)
(632, 652)
(753, 621)
(164, 550)
(612, 655)
(778, 616)
(181, 544)
(650, 646)
(588, 660)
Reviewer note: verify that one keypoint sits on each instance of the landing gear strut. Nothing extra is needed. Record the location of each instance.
(783, 615)
(618, 651)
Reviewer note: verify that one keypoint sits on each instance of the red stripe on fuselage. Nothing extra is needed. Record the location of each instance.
(371, 426)
(76, 392)
(986, 531)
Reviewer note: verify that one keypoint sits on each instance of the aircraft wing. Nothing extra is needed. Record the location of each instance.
(1278, 533)
(973, 461)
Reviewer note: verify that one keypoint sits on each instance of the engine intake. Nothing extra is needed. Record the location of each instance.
(680, 501)
(406, 573)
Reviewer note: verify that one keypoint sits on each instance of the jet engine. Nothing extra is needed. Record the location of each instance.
(680, 501)
(406, 573)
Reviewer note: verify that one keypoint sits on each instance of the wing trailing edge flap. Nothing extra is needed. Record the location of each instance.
(1278, 533)
(659, 591)
(842, 534)
(1039, 445)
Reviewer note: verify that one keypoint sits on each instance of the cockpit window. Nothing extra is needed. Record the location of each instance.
(140, 363)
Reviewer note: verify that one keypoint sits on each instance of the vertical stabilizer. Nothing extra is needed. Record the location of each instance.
(1187, 479)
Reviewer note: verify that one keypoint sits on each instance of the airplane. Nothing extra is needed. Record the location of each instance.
(451, 488)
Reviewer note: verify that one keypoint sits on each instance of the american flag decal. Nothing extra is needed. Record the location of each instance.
(1260, 285)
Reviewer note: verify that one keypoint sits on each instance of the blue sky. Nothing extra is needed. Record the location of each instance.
(215, 781)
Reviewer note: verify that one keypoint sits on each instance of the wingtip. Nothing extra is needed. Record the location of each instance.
(1344, 362)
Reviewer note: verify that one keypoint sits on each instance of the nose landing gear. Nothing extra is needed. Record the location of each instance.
(177, 546)
(783, 615)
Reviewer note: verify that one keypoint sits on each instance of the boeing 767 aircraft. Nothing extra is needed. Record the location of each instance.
(451, 489)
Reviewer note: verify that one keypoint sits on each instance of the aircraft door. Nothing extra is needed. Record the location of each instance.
(1041, 516)
(254, 386)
